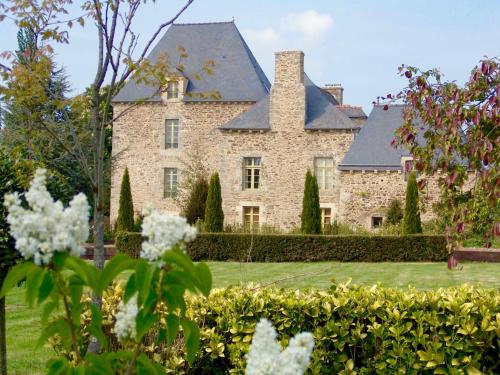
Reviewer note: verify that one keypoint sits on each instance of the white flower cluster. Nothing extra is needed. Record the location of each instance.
(266, 358)
(47, 227)
(125, 319)
(163, 231)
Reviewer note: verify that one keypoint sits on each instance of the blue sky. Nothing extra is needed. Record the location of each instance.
(356, 43)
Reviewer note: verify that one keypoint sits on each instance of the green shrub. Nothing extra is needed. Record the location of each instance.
(311, 248)
(214, 216)
(411, 219)
(128, 243)
(195, 205)
(125, 220)
(310, 219)
(394, 212)
(356, 329)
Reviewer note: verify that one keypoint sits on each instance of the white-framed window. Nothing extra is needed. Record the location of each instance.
(170, 182)
(251, 173)
(323, 170)
(251, 216)
(172, 133)
(173, 90)
(326, 217)
(377, 221)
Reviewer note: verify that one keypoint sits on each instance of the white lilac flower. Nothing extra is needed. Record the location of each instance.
(163, 231)
(46, 226)
(265, 356)
(125, 320)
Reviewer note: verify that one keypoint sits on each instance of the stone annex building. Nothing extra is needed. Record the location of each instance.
(260, 137)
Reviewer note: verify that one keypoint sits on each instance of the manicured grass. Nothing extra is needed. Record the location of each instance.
(23, 324)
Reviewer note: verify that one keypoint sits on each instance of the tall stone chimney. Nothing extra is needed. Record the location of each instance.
(288, 94)
(336, 90)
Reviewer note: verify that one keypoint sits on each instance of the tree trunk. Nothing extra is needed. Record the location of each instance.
(3, 343)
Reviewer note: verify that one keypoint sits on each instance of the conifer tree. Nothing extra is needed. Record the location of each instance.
(311, 212)
(411, 219)
(125, 220)
(395, 212)
(214, 216)
(195, 207)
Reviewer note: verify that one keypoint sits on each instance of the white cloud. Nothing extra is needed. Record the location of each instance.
(310, 24)
(267, 36)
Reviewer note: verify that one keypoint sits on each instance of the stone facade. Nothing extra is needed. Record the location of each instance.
(367, 194)
(286, 151)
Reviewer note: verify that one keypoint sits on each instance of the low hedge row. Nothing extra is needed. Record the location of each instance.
(305, 248)
(357, 330)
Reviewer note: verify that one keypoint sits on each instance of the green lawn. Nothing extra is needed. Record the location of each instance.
(23, 323)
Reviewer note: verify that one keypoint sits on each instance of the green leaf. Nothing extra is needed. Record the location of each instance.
(204, 278)
(87, 272)
(58, 366)
(15, 276)
(46, 287)
(59, 259)
(60, 327)
(130, 288)
(119, 263)
(191, 338)
(143, 276)
(172, 322)
(33, 280)
(143, 323)
(178, 257)
(48, 308)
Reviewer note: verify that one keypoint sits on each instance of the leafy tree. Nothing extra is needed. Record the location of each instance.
(310, 221)
(8, 254)
(125, 220)
(117, 61)
(195, 208)
(395, 212)
(461, 129)
(411, 219)
(214, 216)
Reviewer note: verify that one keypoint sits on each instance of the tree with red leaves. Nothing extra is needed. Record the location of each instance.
(460, 127)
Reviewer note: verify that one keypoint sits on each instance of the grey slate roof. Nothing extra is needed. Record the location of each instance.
(321, 113)
(237, 75)
(352, 112)
(371, 149)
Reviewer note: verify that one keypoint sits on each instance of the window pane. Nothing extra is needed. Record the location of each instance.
(170, 188)
(172, 133)
(251, 173)
(323, 170)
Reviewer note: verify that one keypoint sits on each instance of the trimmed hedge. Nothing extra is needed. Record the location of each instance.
(305, 248)
(357, 330)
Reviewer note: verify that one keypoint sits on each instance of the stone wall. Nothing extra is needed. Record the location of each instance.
(139, 144)
(368, 193)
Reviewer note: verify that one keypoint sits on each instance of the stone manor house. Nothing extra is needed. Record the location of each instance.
(260, 137)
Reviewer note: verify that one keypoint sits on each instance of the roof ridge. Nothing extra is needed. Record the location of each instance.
(390, 105)
(202, 23)
(348, 106)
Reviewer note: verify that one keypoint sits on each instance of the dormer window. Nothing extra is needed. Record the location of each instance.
(173, 90)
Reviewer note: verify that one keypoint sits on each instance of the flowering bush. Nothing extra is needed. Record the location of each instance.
(47, 227)
(50, 238)
(266, 358)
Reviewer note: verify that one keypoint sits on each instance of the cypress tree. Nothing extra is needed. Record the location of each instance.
(395, 212)
(214, 216)
(311, 213)
(125, 220)
(195, 207)
(411, 219)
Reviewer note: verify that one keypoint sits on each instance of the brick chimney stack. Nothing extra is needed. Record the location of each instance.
(288, 94)
(336, 90)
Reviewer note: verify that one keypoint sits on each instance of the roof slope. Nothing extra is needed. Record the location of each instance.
(322, 113)
(321, 110)
(352, 111)
(237, 75)
(371, 149)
